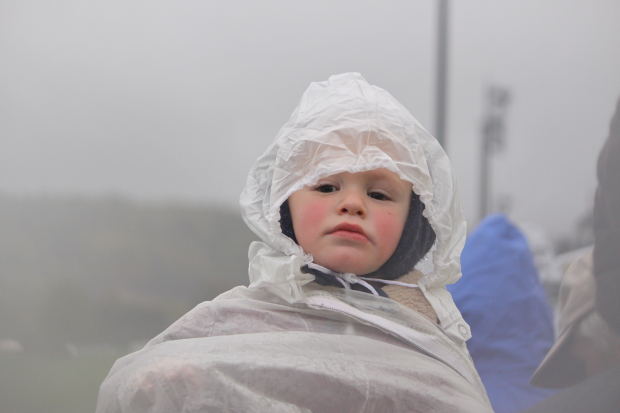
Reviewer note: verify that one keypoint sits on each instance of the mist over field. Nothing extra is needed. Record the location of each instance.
(84, 280)
(127, 129)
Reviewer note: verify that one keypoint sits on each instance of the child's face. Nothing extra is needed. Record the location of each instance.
(351, 222)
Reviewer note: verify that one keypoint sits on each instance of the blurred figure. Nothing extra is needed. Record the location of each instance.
(585, 345)
(583, 357)
(502, 300)
(607, 227)
(586, 356)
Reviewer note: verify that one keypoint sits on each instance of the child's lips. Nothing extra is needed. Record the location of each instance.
(349, 231)
(355, 236)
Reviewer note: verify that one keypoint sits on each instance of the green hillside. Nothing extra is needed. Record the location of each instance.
(109, 271)
(84, 281)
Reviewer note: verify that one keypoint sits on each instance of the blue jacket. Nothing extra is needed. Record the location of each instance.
(501, 298)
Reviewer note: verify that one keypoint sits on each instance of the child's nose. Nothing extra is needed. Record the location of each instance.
(352, 204)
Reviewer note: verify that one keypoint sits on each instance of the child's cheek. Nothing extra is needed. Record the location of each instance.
(388, 228)
(314, 213)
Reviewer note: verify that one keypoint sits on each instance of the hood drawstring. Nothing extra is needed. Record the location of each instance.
(349, 281)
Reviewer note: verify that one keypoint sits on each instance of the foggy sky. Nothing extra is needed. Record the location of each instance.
(175, 100)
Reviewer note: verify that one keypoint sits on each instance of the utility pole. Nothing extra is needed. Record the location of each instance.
(493, 140)
(441, 79)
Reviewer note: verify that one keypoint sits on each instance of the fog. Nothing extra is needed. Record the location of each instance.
(175, 100)
(127, 129)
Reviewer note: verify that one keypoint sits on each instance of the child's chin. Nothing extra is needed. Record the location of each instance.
(348, 263)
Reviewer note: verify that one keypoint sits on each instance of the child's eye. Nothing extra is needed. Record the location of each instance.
(379, 196)
(326, 188)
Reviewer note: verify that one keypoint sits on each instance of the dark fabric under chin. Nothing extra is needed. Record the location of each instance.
(415, 242)
(328, 279)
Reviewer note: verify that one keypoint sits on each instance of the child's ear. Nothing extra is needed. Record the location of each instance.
(286, 221)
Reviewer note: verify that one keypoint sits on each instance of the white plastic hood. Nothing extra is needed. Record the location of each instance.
(346, 124)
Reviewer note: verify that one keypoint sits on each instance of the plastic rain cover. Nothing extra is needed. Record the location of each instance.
(282, 345)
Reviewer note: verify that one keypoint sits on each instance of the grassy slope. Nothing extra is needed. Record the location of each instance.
(100, 274)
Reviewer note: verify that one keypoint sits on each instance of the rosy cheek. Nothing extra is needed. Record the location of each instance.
(388, 228)
(310, 219)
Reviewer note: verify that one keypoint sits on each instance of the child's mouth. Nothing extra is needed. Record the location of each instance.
(350, 231)
(356, 236)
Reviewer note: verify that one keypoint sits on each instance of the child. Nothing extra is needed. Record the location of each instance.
(349, 198)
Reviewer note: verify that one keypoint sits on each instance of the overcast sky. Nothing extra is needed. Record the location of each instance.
(174, 100)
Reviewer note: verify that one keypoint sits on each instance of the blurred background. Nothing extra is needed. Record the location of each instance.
(127, 129)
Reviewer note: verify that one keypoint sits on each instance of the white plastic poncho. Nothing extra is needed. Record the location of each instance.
(284, 345)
